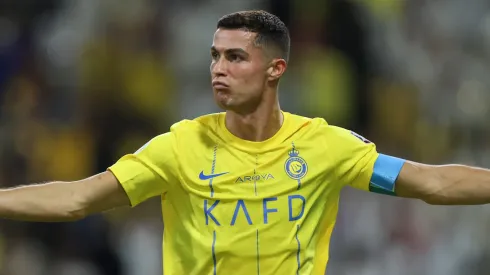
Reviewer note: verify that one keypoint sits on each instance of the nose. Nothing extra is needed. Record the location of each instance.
(218, 68)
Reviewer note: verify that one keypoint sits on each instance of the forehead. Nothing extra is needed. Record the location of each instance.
(228, 39)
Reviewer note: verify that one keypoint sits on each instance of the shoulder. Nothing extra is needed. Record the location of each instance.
(200, 131)
(198, 124)
(306, 125)
(301, 119)
(335, 138)
(182, 133)
(337, 133)
(319, 126)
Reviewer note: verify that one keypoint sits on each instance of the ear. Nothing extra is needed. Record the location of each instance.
(276, 69)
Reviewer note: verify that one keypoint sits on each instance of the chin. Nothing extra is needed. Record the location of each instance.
(223, 100)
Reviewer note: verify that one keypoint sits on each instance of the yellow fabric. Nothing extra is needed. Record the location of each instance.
(265, 207)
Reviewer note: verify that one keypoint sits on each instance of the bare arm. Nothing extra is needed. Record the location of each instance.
(63, 201)
(445, 184)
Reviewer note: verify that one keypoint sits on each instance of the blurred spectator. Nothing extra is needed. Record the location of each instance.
(84, 82)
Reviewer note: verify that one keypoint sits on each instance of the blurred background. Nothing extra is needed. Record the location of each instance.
(83, 82)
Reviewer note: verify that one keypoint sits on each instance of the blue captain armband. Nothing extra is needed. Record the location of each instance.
(386, 171)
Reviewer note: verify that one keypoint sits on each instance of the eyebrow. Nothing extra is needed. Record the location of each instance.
(232, 50)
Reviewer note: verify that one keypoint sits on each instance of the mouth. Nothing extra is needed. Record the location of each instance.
(219, 85)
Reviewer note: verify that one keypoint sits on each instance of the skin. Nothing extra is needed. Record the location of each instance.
(245, 79)
(251, 76)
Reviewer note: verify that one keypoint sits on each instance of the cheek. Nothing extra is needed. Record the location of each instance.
(256, 81)
(253, 77)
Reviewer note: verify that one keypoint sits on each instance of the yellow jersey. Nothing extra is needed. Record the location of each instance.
(232, 206)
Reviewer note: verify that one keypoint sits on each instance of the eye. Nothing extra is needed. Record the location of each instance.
(214, 55)
(235, 57)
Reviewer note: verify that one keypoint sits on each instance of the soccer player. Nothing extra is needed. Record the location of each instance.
(252, 190)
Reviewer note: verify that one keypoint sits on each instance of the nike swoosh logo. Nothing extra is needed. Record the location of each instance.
(206, 177)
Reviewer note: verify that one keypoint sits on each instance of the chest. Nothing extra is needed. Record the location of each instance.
(223, 187)
(224, 172)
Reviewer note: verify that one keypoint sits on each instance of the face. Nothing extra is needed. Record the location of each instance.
(240, 70)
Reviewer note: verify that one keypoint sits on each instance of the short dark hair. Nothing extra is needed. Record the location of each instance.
(271, 31)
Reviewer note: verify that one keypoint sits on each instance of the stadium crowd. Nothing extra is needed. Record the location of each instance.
(83, 82)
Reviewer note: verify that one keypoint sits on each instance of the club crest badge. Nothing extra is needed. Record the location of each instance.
(295, 166)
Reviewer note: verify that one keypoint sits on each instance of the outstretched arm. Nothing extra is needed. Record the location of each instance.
(444, 184)
(131, 180)
(63, 201)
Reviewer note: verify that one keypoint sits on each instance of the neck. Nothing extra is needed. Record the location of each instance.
(259, 125)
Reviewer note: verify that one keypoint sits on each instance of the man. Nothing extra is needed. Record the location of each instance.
(253, 190)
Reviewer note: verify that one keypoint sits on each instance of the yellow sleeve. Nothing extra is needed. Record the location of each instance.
(149, 171)
(356, 157)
